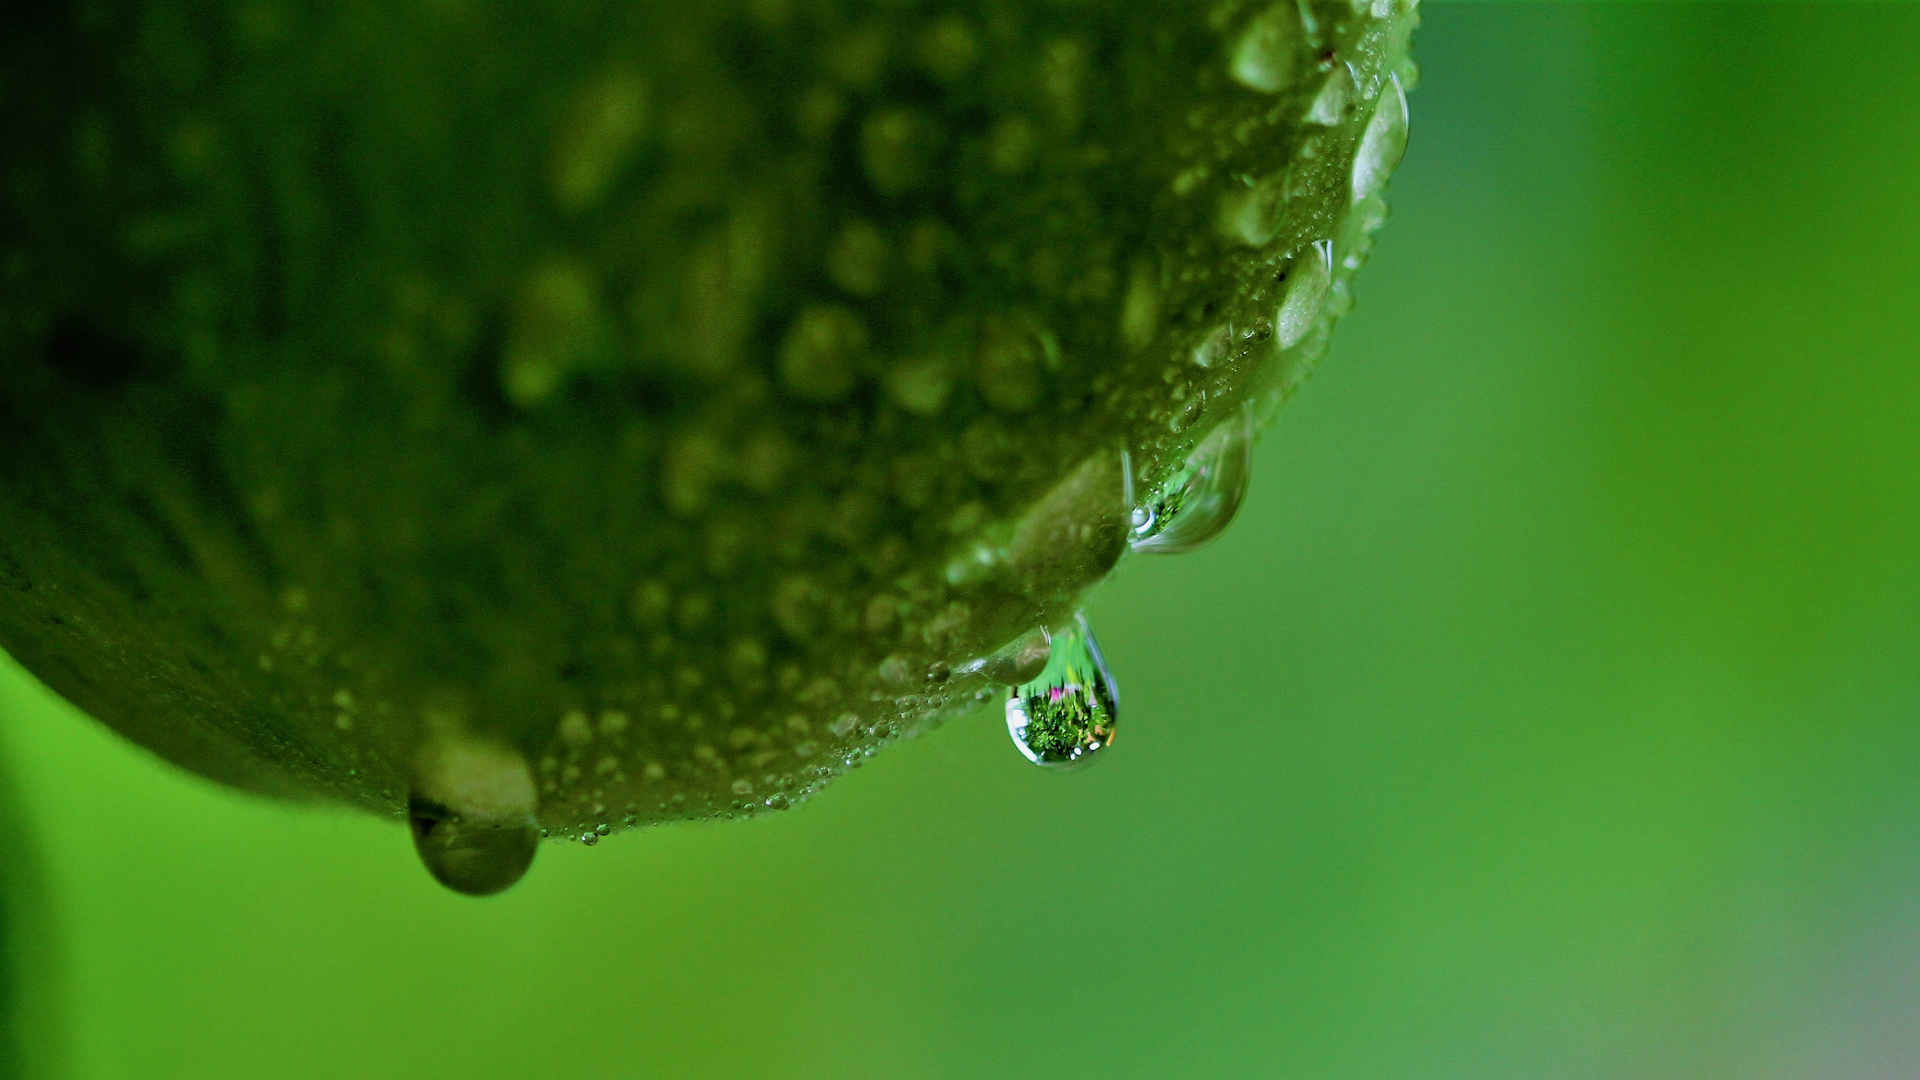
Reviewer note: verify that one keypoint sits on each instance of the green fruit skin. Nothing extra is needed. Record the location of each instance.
(687, 397)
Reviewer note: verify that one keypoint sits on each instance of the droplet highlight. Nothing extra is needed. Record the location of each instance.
(1199, 500)
(1067, 714)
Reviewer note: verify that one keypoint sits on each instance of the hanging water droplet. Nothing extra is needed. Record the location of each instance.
(471, 811)
(1199, 500)
(478, 859)
(1383, 143)
(1067, 714)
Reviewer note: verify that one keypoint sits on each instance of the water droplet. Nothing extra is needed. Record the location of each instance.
(1021, 661)
(897, 149)
(1008, 361)
(471, 811)
(605, 125)
(818, 356)
(920, 385)
(1308, 281)
(948, 49)
(478, 859)
(1253, 214)
(1067, 714)
(1199, 500)
(557, 331)
(1383, 143)
(1140, 312)
(1215, 347)
(1330, 105)
(857, 259)
(1263, 58)
(575, 729)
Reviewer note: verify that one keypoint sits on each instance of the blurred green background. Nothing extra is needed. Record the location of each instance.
(1550, 711)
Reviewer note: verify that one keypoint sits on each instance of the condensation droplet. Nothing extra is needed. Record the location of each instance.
(1308, 282)
(1253, 215)
(472, 815)
(605, 124)
(1067, 714)
(1215, 347)
(1263, 58)
(1383, 143)
(1330, 105)
(1021, 661)
(818, 356)
(557, 331)
(1200, 499)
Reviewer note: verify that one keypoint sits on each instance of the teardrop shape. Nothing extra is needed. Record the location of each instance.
(1200, 499)
(1066, 715)
(1383, 143)
(472, 814)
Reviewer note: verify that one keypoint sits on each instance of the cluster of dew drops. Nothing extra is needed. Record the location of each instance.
(1062, 703)
(1063, 706)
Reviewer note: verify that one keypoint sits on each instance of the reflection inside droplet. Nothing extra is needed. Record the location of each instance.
(1067, 714)
(474, 858)
(1199, 500)
(472, 814)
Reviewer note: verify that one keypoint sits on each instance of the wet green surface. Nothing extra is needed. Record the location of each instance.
(677, 402)
(1549, 712)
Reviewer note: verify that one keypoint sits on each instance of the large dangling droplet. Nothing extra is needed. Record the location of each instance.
(1067, 714)
(1199, 500)
(472, 814)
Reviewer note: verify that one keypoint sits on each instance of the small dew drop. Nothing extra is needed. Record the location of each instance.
(1200, 499)
(1067, 714)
